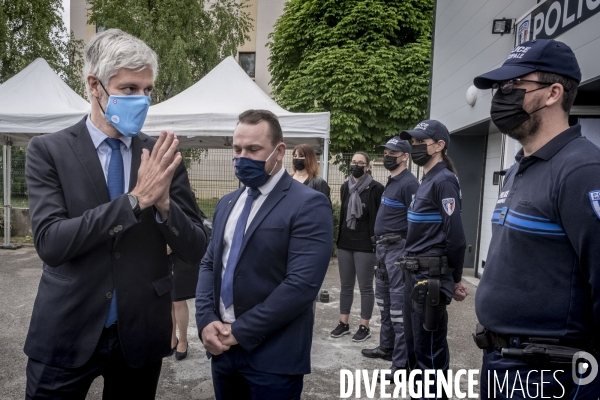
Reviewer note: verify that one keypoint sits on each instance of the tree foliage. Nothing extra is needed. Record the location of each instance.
(189, 36)
(33, 28)
(365, 61)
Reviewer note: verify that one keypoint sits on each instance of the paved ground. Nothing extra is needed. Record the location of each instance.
(190, 379)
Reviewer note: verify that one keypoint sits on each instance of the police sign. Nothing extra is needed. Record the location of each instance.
(554, 17)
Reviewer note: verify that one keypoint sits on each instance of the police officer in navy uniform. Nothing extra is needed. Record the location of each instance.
(435, 247)
(390, 235)
(541, 284)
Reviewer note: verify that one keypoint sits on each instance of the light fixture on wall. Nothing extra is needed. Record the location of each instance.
(502, 26)
(471, 95)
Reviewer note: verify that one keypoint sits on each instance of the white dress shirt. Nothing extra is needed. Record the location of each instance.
(105, 152)
(228, 314)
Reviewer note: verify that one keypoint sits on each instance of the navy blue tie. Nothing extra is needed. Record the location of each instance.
(236, 245)
(115, 180)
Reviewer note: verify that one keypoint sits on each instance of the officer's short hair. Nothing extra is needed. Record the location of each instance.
(253, 117)
(569, 84)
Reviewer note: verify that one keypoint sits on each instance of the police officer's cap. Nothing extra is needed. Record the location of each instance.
(428, 129)
(396, 144)
(544, 55)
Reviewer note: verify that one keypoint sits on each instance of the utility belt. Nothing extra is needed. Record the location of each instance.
(388, 238)
(530, 349)
(426, 294)
(435, 266)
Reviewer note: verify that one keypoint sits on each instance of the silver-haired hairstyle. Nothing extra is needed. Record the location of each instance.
(113, 49)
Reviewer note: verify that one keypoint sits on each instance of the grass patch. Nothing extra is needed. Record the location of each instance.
(18, 239)
(208, 206)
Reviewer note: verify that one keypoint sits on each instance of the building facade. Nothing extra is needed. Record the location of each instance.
(464, 47)
(253, 56)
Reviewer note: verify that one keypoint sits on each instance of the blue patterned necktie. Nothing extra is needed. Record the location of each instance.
(115, 180)
(236, 245)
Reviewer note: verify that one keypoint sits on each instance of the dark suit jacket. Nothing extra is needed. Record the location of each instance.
(282, 264)
(91, 245)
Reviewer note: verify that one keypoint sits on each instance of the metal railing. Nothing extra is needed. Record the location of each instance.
(211, 175)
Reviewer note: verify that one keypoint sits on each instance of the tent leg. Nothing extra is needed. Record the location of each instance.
(7, 163)
(325, 159)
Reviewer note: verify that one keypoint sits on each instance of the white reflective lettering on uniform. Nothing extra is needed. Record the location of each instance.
(449, 205)
(502, 197)
(595, 201)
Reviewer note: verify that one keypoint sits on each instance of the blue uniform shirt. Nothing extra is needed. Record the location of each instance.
(434, 218)
(398, 194)
(542, 273)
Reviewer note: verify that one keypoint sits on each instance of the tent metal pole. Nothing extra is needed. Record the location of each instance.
(7, 163)
(6, 170)
(325, 159)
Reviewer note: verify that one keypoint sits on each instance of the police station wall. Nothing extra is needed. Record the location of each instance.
(465, 47)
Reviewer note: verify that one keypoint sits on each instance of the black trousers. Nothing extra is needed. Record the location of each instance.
(120, 380)
(234, 378)
(429, 349)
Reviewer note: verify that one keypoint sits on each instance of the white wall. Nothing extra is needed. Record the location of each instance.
(267, 14)
(464, 47)
(490, 194)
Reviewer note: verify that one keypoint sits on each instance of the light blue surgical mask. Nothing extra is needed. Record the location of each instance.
(126, 113)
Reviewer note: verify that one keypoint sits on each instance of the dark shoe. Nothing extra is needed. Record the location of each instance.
(173, 349)
(180, 356)
(362, 334)
(341, 330)
(378, 352)
(390, 376)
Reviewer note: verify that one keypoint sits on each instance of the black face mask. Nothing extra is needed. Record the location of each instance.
(419, 155)
(298, 163)
(507, 109)
(389, 162)
(357, 170)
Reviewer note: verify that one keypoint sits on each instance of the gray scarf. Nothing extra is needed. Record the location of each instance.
(354, 204)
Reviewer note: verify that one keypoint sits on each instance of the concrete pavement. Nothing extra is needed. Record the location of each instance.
(20, 271)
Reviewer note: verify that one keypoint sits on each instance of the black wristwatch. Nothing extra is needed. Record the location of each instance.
(135, 205)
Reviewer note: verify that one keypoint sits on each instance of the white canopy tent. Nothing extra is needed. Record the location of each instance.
(32, 102)
(37, 101)
(205, 114)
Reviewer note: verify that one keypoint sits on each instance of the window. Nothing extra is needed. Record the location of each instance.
(248, 63)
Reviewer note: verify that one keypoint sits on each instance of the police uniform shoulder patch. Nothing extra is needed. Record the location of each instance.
(595, 201)
(449, 205)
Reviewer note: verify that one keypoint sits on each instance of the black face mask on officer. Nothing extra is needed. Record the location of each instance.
(390, 162)
(419, 154)
(357, 170)
(507, 109)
